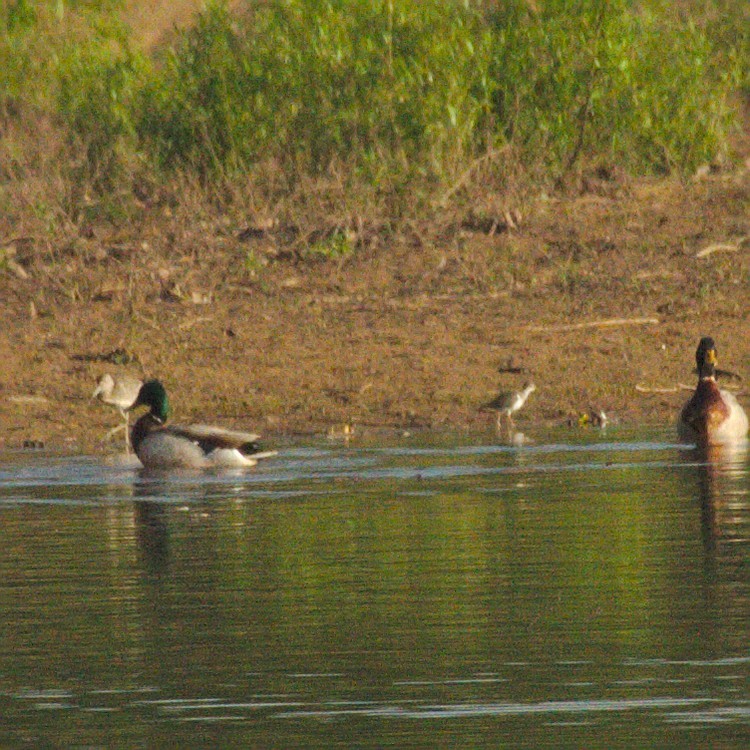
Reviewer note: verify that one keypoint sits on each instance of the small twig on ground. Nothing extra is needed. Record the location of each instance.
(728, 374)
(607, 323)
(646, 389)
(466, 175)
(727, 247)
(146, 320)
(673, 389)
(188, 324)
(28, 399)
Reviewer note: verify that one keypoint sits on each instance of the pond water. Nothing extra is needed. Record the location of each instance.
(413, 592)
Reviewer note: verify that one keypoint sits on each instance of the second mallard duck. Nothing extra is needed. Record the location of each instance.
(712, 415)
(162, 446)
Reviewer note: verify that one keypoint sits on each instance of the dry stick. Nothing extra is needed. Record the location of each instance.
(726, 247)
(645, 389)
(583, 115)
(679, 387)
(187, 324)
(585, 108)
(463, 179)
(608, 323)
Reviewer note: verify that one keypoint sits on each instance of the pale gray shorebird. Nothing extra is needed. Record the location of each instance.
(507, 404)
(120, 391)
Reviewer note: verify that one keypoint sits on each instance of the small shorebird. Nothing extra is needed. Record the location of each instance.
(506, 404)
(119, 391)
(711, 416)
(196, 446)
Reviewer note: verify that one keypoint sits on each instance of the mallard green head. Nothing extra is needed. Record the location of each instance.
(705, 357)
(154, 395)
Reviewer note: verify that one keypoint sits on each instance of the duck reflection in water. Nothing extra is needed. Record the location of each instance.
(151, 530)
(724, 502)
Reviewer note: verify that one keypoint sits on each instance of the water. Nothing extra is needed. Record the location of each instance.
(422, 592)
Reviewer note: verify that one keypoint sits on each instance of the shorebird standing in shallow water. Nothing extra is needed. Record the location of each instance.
(119, 391)
(711, 416)
(507, 404)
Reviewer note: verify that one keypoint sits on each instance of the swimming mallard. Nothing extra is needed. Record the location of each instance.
(191, 447)
(119, 391)
(711, 415)
(506, 404)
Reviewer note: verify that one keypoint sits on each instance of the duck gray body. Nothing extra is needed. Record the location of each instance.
(163, 446)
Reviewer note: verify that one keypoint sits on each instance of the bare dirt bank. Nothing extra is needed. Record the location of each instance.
(404, 334)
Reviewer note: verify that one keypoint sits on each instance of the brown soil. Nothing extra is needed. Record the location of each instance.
(408, 334)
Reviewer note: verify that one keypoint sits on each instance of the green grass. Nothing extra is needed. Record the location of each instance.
(387, 93)
(404, 89)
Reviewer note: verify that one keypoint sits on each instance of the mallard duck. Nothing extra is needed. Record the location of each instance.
(119, 391)
(711, 415)
(192, 447)
(506, 404)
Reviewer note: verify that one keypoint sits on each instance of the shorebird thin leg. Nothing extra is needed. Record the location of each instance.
(124, 426)
(114, 430)
(126, 417)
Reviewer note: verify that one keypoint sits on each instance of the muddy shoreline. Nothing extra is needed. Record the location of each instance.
(598, 298)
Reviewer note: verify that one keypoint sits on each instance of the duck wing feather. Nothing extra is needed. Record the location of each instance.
(210, 437)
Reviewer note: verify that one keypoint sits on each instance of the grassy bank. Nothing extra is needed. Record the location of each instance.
(323, 112)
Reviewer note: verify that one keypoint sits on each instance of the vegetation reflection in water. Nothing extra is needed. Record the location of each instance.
(429, 592)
